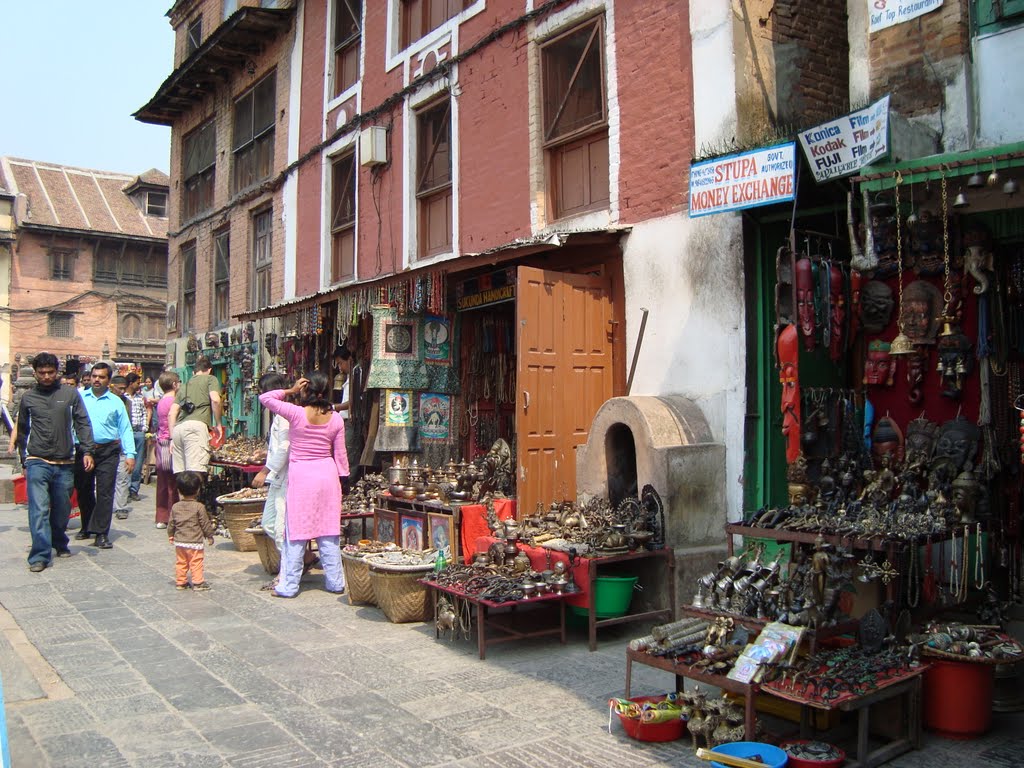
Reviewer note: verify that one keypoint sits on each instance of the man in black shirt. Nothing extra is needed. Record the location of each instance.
(48, 414)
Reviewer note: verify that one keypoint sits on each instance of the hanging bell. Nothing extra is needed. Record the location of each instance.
(1011, 187)
(902, 345)
(961, 199)
(912, 218)
(993, 178)
(940, 366)
(976, 181)
(961, 367)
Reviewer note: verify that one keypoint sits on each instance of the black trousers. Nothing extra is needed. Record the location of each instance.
(96, 489)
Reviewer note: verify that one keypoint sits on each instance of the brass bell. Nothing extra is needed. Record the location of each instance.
(940, 366)
(993, 178)
(961, 200)
(961, 368)
(1011, 187)
(902, 345)
(976, 181)
(912, 218)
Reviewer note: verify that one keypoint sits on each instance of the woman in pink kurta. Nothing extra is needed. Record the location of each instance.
(166, 489)
(316, 462)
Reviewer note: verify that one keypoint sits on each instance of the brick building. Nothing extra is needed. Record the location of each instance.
(88, 264)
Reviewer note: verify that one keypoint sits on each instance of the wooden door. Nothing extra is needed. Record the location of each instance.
(564, 355)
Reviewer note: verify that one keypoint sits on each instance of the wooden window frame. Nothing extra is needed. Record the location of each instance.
(156, 270)
(418, 18)
(60, 325)
(343, 217)
(262, 257)
(435, 191)
(252, 142)
(156, 204)
(199, 164)
(124, 327)
(589, 136)
(188, 287)
(62, 264)
(348, 16)
(221, 278)
(193, 36)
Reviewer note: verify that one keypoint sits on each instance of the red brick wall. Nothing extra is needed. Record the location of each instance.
(898, 58)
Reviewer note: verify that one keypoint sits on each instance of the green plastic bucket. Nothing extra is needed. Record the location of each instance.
(612, 596)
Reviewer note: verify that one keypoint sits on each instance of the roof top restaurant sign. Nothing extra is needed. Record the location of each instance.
(744, 180)
(888, 13)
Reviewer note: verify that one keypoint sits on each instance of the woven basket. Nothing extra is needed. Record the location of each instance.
(400, 595)
(269, 556)
(357, 580)
(237, 517)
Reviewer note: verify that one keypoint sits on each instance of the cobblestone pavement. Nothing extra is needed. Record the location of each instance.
(105, 664)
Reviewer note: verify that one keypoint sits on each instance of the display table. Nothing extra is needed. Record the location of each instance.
(906, 685)
(585, 572)
(683, 671)
(488, 614)
(361, 518)
(473, 523)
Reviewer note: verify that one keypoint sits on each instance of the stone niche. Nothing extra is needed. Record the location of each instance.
(664, 442)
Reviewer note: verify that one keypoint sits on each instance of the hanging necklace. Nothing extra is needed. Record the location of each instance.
(954, 576)
(913, 584)
(928, 582)
(965, 552)
(979, 560)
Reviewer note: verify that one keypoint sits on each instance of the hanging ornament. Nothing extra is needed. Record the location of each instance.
(901, 345)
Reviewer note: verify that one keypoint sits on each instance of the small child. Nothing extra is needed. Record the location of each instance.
(191, 522)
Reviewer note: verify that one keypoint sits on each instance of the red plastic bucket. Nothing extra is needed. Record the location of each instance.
(637, 729)
(958, 698)
(20, 490)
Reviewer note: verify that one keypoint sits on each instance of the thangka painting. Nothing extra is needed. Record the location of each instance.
(397, 408)
(439, 354)
(398, 422)
(435, 416)
(397, 351)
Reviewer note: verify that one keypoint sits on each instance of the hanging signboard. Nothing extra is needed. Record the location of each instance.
(846, 145)
(745, 180)
(485, 290)
(888, 13)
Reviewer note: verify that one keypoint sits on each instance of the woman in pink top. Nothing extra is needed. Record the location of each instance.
(316, 462)
(166, 488)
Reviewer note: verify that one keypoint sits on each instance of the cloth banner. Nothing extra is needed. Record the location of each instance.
(397, 351)
(398, 421)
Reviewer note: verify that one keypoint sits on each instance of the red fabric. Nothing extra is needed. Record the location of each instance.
(539, 562)
(473, 523)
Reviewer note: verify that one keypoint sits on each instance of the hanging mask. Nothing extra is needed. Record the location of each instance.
(878, 368)
(805, 301)
(876, 306)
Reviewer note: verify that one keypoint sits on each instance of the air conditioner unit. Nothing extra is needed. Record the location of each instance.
(373, 146)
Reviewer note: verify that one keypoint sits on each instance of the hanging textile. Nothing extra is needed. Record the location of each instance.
(397, 351)
(398, 422)
(439, 345)
(438, 430)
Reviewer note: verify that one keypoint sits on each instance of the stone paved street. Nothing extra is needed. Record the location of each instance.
(105, 664)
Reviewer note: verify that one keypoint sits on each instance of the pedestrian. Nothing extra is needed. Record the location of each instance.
(110, 429)
(166, 488)
(119, 386)
(50, 417)
(316, 463)
(139, 414)
(197, 409)
(275, 470)
(190, 525)
(350, 406)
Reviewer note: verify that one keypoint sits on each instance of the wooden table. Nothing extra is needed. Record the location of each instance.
(683, 672)
(485, 616)
(666, 613)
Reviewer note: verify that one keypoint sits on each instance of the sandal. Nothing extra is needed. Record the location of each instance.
(307, 567)
(269, 586)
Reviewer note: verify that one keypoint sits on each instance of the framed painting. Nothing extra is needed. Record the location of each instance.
(440, 527)
(413, 530)
(385, 526)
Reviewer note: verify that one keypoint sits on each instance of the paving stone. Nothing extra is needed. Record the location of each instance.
(85, 749)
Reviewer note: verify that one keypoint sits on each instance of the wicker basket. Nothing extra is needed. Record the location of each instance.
(357, 580)
(400, 595)
(238, 515)
(269, 556)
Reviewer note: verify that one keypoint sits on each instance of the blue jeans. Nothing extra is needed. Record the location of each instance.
(49, 505)
(140, 459)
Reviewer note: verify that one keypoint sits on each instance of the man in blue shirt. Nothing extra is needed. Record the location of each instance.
(112, 434)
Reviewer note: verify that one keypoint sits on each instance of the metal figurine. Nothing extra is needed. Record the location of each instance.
(956, 362)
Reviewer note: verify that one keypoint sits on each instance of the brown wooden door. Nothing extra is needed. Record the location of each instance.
(564, 354)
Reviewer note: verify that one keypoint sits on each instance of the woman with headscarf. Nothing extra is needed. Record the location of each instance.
(316, 463)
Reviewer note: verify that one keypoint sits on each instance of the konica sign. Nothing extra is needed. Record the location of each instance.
(744, 180)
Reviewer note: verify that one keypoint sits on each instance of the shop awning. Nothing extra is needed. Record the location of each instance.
(931, 168)
(231, 47)
(515, 249)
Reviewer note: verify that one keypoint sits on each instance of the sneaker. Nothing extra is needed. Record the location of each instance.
(133, 496)
(161, 526)
(63, 553)
(37, 567)
(83, 535)
(181, 587)
(202, 586)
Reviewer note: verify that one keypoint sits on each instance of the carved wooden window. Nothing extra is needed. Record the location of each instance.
(422, 16)
(434, 178)
(348, 37)
(253, 137)
(62, 264)
(188, 287)
(221, 278)
(343, 218)
(133, 266)
(575, 120)
(262, 258)
(104, 263)
(199, 153)
(156, 270)
(60, 325)
(131, 327)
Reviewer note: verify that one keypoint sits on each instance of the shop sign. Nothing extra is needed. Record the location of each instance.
(844, 146)
(746, 180)
(888, 13)
(485, 290)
